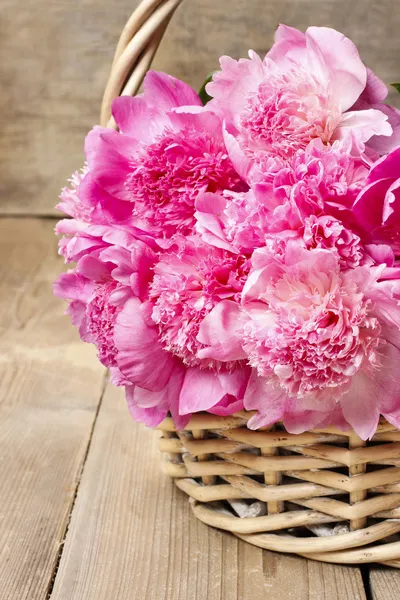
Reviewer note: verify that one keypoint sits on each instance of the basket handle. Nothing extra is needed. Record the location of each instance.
(135, 51)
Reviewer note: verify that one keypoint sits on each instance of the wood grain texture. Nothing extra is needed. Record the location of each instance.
(50, 386)
(385, 583)
(132, 534)
(56, 57)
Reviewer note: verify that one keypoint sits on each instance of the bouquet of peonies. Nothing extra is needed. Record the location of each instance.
(242, 252)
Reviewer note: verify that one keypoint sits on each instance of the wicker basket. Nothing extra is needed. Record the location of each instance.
(324, 494)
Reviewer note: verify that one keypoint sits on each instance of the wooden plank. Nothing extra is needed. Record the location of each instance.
(385, 583)
(57, 55)
(50, 386)
(132, 533)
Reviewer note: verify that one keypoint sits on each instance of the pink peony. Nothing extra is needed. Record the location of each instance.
(169, 148)
(190, 282)
(321, 337)
(321, 341)
(295, 199)
(303, 90)
(111, 304)
(377, 209)
(245, 255)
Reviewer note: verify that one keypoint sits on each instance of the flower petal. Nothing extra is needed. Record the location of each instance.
(363, 124)
(347, 74)
(268, 400)
(359, 406)
(168, 92)
(137, 119)
(220, 331)
(201, 389)
(140, 356)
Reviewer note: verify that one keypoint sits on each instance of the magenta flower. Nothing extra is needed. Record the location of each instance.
(121, 292)
(189, 282)
(304, 89)
(168, 150)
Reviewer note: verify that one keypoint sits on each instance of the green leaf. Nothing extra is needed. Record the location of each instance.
(396, 86)
(204, 97)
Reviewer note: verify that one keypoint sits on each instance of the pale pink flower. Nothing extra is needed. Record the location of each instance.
(326, 232)
(304, 89)
(319, 337)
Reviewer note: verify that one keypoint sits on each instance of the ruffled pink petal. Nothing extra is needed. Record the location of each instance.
(269, 401)
(210, 223)
(73, 286)
(137, 119)
(368, 208)
(241, 163)
(381, 253)
(359, 406)
(386, 168)
(201, 389)
(335, 419)
(235, 382)
(94, 269)
(103, 207)
(220, 331)
(229, 405)
(363, 124)
(289, 42)
(301, 421)
(230, 86)
(167, 92)
(196, 117)
(140, 356)
(385, 144)
(151, 417)
(346, 72)
(375, 91)
(109, 158)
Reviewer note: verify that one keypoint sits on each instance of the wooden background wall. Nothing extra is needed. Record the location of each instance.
(55, 57)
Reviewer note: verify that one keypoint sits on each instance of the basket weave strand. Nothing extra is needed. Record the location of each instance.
(324, 494)
(325, 482)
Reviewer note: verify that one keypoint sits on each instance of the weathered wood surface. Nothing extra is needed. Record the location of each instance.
(132, 535)
(50, 386)
(385, 583)
(56, 55)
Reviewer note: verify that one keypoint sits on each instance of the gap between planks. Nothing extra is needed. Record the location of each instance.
(132, 530)
(77, 484)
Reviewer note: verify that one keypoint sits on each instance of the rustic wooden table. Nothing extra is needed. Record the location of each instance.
(85, 513)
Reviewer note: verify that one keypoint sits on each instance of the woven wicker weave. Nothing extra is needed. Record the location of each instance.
(282, 491)
(324, 494)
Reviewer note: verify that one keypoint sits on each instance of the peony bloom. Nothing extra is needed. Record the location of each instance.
(322, 342)
(190, 282)
(168, 149)
(306, 198)
(245, 255)
(321, 337)
(121, 306)
(376, 211)
(304, 89)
